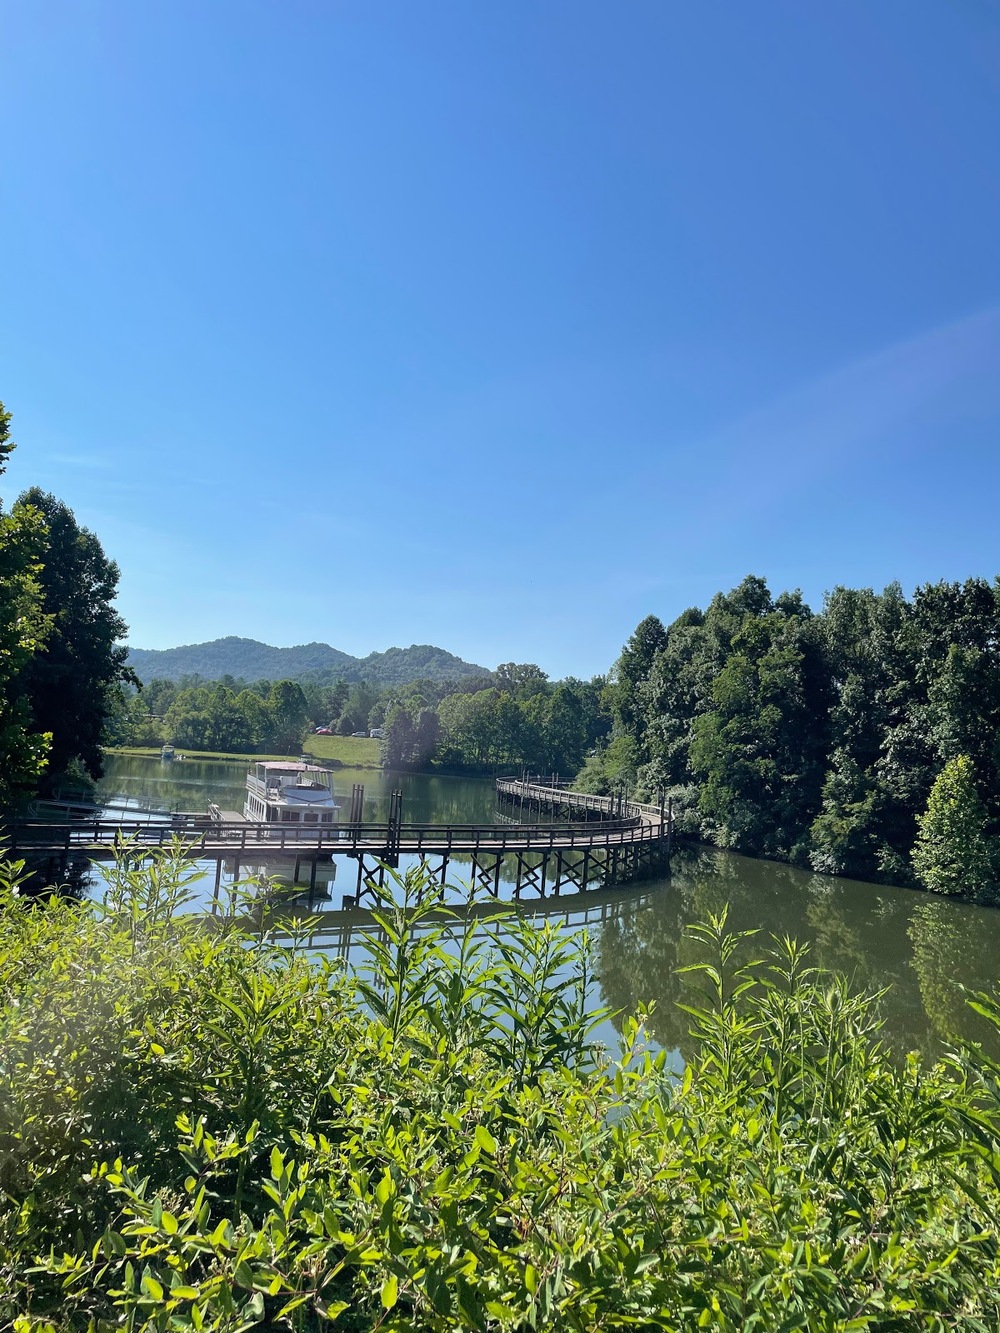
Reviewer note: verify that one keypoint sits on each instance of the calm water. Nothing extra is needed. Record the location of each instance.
(921, 947)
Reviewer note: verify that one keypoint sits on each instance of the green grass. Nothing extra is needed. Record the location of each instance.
(153, 752)
(351, 751)
(348, 751)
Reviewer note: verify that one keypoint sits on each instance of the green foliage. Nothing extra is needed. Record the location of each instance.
(24, 626)
(202, 1130)
(811, 738)
(61, 667)
(315, 663)
(408, 741)
(526, 722)
(529, 722)
(7, 445)
(221, 717)
(70, 677)
(952, 853)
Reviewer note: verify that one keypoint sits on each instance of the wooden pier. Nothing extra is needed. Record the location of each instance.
(591, 840)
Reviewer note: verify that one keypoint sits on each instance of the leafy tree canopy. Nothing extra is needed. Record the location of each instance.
(68, 681)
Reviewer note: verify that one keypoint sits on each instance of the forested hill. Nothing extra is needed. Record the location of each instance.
(247, 659)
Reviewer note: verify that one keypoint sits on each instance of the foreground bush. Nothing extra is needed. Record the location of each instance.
(199, 1129)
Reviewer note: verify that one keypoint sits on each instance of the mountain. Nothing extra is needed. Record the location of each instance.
(246, 659)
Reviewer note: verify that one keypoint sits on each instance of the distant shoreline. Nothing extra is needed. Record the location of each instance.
(219, 756)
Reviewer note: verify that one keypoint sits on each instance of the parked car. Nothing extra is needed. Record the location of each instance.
(322, 731)
(360, 733)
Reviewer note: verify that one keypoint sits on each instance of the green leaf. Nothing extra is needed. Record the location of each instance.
(390, 1291)
(151, 1287)
(277, 1164)
(486, 1140)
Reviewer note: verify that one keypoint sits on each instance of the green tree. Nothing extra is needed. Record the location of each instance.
(24, 625)
(255, 720)
(287, 715)
(759, 751)
(565, 732)
(630, 675)
(69, 681)
(520, 679)
(953, 853)
(426, 730)
(396, 745)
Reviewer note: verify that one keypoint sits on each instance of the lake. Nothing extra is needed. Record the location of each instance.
(922, 947)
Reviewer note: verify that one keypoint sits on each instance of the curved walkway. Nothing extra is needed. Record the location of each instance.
(611, 841)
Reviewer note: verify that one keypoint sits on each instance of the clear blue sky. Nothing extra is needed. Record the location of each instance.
(500, 326)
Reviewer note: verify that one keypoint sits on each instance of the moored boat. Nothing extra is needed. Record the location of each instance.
(296, 798)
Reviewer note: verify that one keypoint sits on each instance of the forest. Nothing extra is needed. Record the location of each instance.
(316, 663)
(862, 740)
(508, 719)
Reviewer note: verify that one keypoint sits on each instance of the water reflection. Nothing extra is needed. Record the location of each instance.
(922, 949)
(142, 783)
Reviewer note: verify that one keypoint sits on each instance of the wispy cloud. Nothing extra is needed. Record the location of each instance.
(91, 462)
(857, 411)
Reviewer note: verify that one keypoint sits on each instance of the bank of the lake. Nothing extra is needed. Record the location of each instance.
(336, 751)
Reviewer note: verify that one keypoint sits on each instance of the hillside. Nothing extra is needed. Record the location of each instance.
(247, 659)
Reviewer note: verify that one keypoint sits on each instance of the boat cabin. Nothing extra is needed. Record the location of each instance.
(287, 793)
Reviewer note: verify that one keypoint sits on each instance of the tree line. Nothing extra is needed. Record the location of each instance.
(863, 740)
(513, 718)
(521, 720)
(62, 659)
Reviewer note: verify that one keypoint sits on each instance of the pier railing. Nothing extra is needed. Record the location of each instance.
(93, 836)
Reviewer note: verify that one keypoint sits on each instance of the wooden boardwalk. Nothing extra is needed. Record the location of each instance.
(609, 842)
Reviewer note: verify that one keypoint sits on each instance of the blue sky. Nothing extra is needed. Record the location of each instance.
(502, 326)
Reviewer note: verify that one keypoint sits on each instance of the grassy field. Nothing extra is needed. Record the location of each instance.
(347, 751)
(153, 752)
(351, 751)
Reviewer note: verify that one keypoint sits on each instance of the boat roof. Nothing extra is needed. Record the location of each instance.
(290, 767)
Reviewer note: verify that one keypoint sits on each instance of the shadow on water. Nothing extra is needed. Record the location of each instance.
(919, 948)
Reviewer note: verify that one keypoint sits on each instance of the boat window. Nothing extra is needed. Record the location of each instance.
(289, 816)
(309, 818)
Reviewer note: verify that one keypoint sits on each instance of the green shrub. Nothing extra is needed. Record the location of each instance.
(200, 1129)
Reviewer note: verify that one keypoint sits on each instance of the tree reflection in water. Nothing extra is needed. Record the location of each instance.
(920, 951)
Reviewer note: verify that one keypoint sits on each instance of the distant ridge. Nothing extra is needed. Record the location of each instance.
(250, 660)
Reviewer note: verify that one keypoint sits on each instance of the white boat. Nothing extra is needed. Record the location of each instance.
(298, 798)
(167, 752)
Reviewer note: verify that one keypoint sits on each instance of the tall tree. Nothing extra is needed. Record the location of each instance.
(631, 672)
(69, 682)
(952, 853)
(287, 714)
(521, 679)
(24, 745)
(396, 746)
